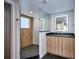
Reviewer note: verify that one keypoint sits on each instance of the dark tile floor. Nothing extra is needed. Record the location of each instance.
(35, 57)
(47, 56)
(30, 51)
(50, 56)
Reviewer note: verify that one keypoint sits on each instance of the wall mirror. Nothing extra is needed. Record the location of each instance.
(41, 23)
(61, 23)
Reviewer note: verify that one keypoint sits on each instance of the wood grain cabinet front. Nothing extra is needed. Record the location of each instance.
(61, 46)
(68, 47)
(48, 44)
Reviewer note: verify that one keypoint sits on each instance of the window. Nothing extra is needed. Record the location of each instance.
(25, 22)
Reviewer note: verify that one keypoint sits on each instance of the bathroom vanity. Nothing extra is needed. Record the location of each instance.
(61, 44)
(59, 41)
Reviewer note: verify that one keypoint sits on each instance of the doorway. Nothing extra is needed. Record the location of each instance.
(7, 31)
(28, 49)
(26, 31)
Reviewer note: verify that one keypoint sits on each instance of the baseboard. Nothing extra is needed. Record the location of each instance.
(28, 46)
(33, 57)
(36, 44)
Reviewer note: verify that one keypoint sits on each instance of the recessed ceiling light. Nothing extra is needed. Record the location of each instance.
(31, 12)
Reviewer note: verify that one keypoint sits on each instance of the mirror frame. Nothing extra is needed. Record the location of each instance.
(67, 23)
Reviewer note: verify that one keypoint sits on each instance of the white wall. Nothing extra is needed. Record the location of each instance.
(71, 23)
(17, 31)
(35, 30)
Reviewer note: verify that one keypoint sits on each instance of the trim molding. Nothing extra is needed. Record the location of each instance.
(12, 28)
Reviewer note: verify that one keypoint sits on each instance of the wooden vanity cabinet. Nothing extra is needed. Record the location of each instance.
(61, 46)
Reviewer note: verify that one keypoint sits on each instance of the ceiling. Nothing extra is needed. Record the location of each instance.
(53, 6)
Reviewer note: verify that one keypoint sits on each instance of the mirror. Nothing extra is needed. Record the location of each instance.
(41, 23)
(61, 23)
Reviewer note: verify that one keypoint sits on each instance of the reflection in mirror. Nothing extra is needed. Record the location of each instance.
(61, 23)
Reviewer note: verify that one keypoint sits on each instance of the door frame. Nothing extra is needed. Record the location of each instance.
(13, 37)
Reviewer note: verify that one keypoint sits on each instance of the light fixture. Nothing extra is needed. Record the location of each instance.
(31, 12)
(44, 1)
